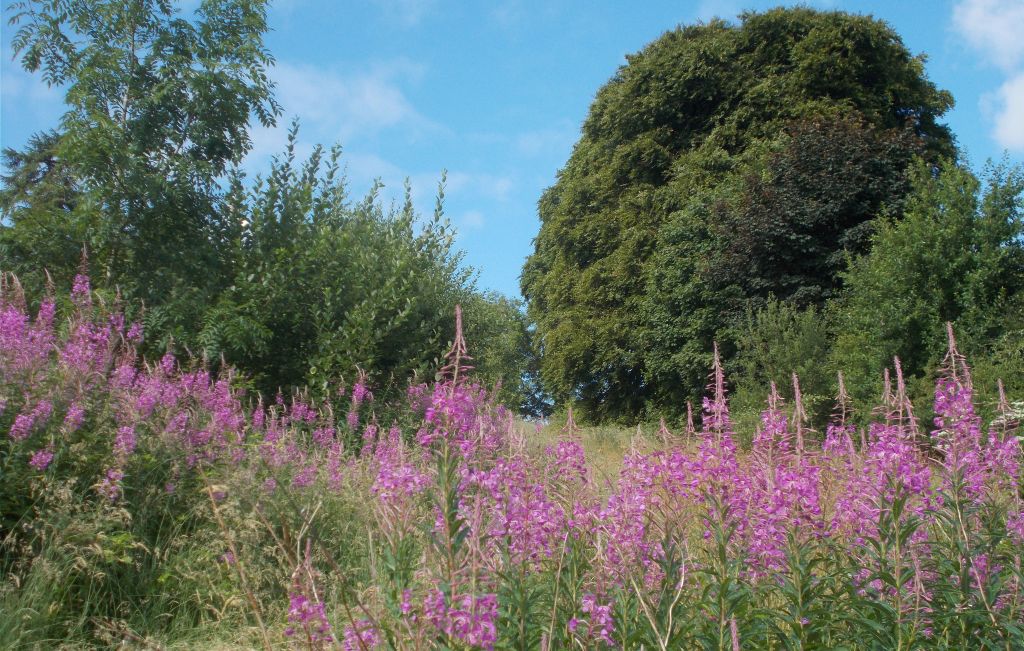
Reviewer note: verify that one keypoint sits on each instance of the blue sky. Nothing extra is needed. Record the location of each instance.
(495, 92)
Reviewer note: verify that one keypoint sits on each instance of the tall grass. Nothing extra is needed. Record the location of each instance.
(155, 505)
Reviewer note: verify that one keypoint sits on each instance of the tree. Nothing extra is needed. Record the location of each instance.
(158, 108)
(812, 206)
(323, 285)
(287, 279)
(957, 255)
(40, 194)
(503, 349)
(649, 230)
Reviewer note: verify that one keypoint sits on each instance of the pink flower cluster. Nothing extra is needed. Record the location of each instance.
(361, 636)
(513, 510)
(152, 405)
(308, 615)
(41, 458)
(24, 423)
(452, 412)
(976, 461)
(399, 481)
(892, 467)
(510, 507)
(471, 619)
(598, 625)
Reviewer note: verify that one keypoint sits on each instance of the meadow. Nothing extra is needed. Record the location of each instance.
(153, 504)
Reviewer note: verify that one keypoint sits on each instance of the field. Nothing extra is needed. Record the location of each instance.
(152, 506)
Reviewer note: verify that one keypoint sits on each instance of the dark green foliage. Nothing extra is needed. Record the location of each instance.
(798, 220)
(772, 344)
(39, 195)
(502, 347)
(964, 595)
(810, 593)
(779, 340)
(956, 255)
(322, 286)
(722, 163)
(683, 307)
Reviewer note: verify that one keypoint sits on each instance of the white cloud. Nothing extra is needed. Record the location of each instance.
(348, 104)
(406, 13)
(334, 107)
(367, 167)
(493, 186)
(995, 28)
(1009, 118)
(557, 140)
(471, 220)
(351, 108)
(266, 144)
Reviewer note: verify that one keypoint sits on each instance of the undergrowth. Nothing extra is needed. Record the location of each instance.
(154, 505)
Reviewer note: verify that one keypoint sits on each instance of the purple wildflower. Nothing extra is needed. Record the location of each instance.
(125, 441)
(41, 458)
(306, 476)
(73, 419)
(80, 290)
(110, 485)
(1015, 526)
(310, 616)
(360, 636)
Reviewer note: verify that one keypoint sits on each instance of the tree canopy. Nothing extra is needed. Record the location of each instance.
(722, 164)
(955, 256)
(283, 276)
(158, 105)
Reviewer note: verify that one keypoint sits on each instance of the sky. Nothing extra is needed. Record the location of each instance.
(495, 93)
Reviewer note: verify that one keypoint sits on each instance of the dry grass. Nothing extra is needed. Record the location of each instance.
(606, 448)
(605, 445)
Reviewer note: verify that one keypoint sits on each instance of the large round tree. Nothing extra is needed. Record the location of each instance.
(721, 165)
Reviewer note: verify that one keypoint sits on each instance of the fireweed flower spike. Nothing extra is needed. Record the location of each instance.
(472, 526)
(41, 458)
